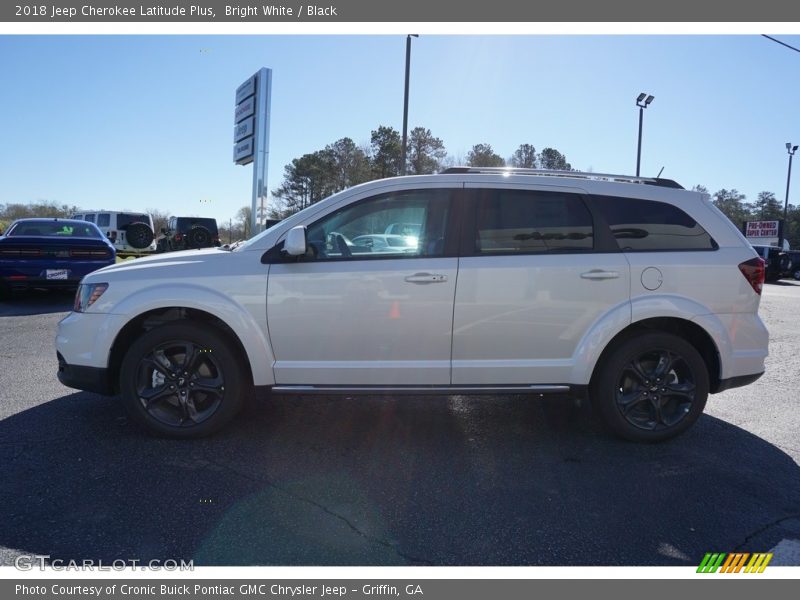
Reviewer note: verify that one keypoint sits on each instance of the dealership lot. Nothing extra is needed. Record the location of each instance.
(405, 481)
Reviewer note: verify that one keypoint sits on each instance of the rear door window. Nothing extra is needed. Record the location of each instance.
(512, 221)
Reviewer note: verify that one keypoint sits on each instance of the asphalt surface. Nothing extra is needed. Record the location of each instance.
(382, 481)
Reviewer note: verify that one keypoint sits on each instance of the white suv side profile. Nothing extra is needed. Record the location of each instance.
(631, 292)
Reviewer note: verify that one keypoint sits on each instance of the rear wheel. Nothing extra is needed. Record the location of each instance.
(650, 387)
(182, 380)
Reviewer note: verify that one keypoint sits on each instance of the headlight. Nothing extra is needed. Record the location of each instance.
(88, 294)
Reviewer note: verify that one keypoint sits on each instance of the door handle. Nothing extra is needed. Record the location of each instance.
(426, 278)
(598, 274)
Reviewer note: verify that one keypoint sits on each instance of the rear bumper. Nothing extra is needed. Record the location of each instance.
(24, 274)
(90, 379)
(734, 382)
(18, 284)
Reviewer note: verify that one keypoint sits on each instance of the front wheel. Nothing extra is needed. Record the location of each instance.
(650, 387)
(182, 380)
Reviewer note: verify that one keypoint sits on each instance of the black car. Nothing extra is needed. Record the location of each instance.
(186, 233)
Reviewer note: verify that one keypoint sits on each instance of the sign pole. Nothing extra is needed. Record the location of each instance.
(251, 135)
(260, 159)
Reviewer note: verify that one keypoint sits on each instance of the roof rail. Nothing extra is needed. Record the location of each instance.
(575, 174)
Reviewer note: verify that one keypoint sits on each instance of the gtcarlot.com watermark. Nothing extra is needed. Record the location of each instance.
(29, 562)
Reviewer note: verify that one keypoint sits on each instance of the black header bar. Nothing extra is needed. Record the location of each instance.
(343, 11)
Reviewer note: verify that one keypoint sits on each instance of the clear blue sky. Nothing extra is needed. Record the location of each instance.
(136, 122)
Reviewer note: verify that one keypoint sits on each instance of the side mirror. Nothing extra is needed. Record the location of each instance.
(295, 244)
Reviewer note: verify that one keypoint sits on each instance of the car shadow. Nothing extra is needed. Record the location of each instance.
(381, 481)
(36, 302)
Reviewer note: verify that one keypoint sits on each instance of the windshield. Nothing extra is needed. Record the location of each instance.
(57, 229)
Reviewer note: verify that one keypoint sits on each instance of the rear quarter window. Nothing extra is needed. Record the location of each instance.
(652, 226)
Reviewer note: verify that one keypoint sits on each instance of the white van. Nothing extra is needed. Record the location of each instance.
(131, 233)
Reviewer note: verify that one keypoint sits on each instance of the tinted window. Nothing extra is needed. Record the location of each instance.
(186, 223)
(357, 231)
(647, 225)
(125, 219)
(58, 229)
(520, 221)
(89, 218)
(103, 220)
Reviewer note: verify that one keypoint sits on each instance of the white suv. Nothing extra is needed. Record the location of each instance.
(632, 292)
(131, 233)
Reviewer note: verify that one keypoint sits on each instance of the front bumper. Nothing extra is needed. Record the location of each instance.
(90, 379)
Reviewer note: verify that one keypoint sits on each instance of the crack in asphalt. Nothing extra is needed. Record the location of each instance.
(765, 527)
(325, 509)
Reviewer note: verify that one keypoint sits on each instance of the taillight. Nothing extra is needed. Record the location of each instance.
(178, 237)
(755, 273)
(20, 252)
(89, 253)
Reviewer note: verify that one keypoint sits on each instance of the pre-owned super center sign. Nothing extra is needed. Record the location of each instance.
(761, 229)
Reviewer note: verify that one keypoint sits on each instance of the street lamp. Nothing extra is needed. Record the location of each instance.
(791, 150)
(405, 103)
(643, 101)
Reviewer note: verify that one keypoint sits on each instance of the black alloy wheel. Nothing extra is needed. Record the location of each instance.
(655, 390)
(182, 380)
(651, 387)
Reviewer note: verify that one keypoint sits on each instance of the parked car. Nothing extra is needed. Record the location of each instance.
(779, 264)
(51, 253)
(630, 292)
(404, 229)
(131, 233)
(386, 243)
(185, 233)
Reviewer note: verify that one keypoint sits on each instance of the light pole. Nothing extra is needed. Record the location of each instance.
(405, 103)
(643, 101)
(791, 150)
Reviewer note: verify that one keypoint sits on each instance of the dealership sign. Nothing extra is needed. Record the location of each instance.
(761, 229)
(251, 116)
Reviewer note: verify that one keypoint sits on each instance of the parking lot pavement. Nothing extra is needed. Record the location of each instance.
(454, 481)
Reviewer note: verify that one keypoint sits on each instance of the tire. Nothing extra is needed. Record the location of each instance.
(139, 235)
(785, 264)
(153, 367)
(198, 237)
(161, 246)
(643, 398)
(796, 274)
